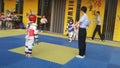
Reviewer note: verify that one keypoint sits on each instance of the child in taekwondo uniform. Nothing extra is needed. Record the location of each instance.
(70, 31)
(30, 39)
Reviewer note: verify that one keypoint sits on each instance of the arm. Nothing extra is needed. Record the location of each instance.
(77, 23)
(72, 27)
(80, 21)
(40, 20)
(46, 20)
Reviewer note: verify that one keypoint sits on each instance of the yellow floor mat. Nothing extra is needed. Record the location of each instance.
(51, 52)
(13, 32)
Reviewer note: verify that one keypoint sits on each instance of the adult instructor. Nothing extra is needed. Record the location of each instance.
(83, 22)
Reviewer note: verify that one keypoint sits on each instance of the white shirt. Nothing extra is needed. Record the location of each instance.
(98, 20)
(43, 20)
(84, 21)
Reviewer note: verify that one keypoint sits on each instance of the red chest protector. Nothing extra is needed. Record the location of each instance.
(31, 32)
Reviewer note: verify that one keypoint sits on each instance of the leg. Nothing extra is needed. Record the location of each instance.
(3, 25)
(77, 35)
(94, 32)
(99, 32)
(74, 35)
(36, 38)
(28, 48)
(8, 25)
(31, 42)
(37, 41)
(0, 24)
(11, 25)
(82, 42)
(70, 36)
(42, 26)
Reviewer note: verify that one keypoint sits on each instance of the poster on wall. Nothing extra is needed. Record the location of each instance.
(93, 5)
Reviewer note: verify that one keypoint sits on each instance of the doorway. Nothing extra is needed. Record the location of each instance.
(57, 16)
(44, 8)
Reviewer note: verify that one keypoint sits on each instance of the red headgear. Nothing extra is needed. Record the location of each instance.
(32, 17)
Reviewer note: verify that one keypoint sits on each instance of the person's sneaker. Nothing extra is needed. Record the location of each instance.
(41, 31)
(78, 56)
(101, 40)
(91, 39)
(70, 41)
(29, 56)
(26, 55)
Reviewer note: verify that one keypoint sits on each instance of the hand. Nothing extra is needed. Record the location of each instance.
(26, 37)
(77, 23)
(70, 28)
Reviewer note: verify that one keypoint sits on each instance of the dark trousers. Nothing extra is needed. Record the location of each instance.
(42, 26)
(97, 29)
(4, 25)
(82, 41)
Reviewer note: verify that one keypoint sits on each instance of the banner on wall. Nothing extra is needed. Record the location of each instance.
(92, 7)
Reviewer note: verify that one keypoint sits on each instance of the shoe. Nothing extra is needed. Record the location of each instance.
(91, 39)
(81, 57)
(29, 56)
(26, 55)
(102, 40)
(41, 31)
(70, 40)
